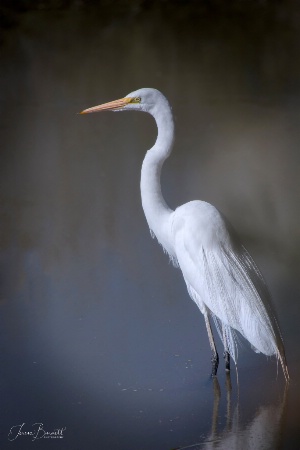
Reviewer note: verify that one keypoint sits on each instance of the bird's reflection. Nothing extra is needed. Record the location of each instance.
(264, 431)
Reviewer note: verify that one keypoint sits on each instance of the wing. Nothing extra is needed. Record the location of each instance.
(220, 273)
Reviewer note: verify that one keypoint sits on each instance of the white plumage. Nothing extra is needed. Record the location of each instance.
(220, 275)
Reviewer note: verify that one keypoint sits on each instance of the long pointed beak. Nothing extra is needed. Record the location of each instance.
(116, 104)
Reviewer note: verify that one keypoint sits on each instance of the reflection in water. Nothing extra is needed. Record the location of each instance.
(265, 431)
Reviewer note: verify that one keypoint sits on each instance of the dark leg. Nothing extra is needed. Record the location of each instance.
(215, 364)
(227, 361)
(228, 400)
(215, 356)
(226, 352)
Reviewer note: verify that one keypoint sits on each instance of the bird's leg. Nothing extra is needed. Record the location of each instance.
(228, 400)
(215, 356)
(226, 352)
(227, 360)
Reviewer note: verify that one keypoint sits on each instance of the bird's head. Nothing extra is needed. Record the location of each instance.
(145, 99)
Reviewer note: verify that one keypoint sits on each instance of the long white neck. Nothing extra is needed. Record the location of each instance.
(155, 208)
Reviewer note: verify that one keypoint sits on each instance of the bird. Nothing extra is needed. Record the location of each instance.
(220, 275)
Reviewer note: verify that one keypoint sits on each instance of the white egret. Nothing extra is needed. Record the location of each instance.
(220, 275)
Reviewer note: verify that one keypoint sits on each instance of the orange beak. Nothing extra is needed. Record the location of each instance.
(116, 104)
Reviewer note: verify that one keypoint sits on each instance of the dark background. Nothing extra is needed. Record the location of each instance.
(97, 332)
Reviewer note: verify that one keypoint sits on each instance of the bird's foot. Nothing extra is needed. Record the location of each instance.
(227, 361)
(215, 364)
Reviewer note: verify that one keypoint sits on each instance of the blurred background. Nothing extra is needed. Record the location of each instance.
(97, 332)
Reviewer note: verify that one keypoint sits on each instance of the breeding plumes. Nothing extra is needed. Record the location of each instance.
(220, 275)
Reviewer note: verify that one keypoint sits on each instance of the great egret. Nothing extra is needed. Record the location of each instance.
(220, 275)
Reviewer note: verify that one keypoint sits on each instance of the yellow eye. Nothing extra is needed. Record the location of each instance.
(136, 100)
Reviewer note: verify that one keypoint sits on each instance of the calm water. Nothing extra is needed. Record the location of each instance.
(98, 335)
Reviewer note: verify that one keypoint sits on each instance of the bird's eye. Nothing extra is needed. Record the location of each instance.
(136, 100)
